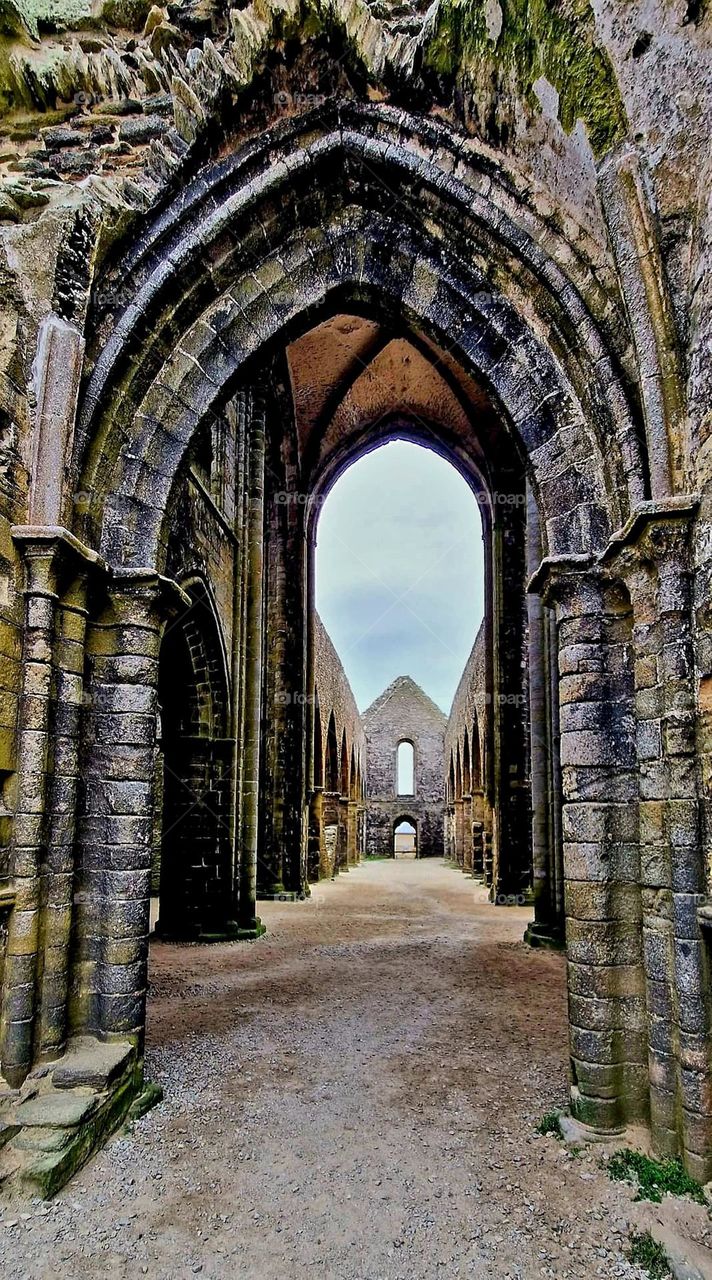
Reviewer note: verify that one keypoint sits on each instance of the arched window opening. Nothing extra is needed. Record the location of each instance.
(466, 779)
(318, 746)
(332, 756)
(406, 769)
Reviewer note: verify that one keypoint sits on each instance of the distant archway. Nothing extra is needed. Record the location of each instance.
(405, 838)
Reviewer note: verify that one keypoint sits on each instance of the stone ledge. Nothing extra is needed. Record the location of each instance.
(91, 1063)
(73, 1107)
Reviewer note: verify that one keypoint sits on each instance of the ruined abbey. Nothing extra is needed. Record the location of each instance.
(239, 247)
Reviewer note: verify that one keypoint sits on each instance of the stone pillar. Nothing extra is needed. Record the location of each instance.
(511, 818)
(657, 569)
(547, 928)
(351, 845)
(459, 820)
(478, 864)
(329, 865)
(250, 926)
(342, 861)
(58, 882)
(34, 1015)
(450, 833)
(361, 832)
(467, 833)
(287, 693)
(601, 854)
(30, 833)
(316, 832)
(116, 831)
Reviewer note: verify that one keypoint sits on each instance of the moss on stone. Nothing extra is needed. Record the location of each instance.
(538, 38)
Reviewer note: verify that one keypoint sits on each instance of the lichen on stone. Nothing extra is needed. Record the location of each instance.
(551, 38)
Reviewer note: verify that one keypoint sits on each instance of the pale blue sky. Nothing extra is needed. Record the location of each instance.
(399, 563)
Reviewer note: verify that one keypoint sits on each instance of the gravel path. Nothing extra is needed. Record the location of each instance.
(354, 1096)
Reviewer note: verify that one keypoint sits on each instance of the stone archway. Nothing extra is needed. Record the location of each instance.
(196, 758)
(511, 315)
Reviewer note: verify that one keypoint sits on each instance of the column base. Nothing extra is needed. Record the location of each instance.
(542, 934)
(249, 932)
(66, 1111)
(272, 891)
(226, 932)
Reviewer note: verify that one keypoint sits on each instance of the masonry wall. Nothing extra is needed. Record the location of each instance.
(404, 713)
(467, 767)
(337, 827)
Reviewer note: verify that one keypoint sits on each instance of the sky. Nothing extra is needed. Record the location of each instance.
(399, 571)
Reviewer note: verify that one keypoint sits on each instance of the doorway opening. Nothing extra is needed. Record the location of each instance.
(405, 839)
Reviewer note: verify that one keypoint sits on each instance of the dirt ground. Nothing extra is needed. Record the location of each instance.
(354, 1096)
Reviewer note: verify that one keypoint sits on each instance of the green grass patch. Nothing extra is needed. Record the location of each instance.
(653, 1178)
(550, 1123)
(647, 1253)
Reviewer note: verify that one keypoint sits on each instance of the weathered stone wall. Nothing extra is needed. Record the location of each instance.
(468, 745)
(340, 764)
(403, 713)
(183, 196)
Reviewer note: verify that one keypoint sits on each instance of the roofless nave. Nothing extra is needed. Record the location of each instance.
(214, 294)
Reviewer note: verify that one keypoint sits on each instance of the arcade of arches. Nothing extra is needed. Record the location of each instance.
(208, 321)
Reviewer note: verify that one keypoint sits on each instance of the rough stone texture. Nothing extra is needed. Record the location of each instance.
(468, 746)
(485, 228)
(403, 713)
(337, 823)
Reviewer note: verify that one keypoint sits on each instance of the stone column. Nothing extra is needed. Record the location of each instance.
(316, 832)
(250, 926)
(116, 831)
(511, 826)
(467, 833)
(601, 855)
(450, 833)
(351, 845)
(547, 928)
(58, 882)
(342, 845)
(30, 827)
(34, 1015)
(329, 865)
(657, 567)
(478, 864)
(459, 819)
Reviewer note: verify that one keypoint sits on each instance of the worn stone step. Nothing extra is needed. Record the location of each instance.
(57, 1108)
(92, 1063)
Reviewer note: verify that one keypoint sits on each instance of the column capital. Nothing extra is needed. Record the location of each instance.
(655, 532)
(48, 549)
(147, 595)
(560, 579)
